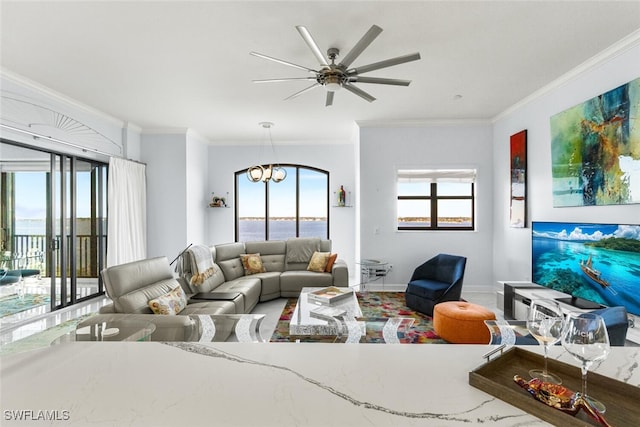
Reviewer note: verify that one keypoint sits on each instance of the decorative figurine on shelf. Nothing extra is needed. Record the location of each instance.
(342, 196)
(217, 202)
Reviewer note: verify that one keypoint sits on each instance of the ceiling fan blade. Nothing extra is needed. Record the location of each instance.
(282, 80)
(306, 35)
(329, 101)
(379, 80)
(362, 44)
(280, 61)
(383, 64)
(359, 92)
(302, 91)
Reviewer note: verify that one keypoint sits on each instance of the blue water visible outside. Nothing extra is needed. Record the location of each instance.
(556, 264)
(280, 230)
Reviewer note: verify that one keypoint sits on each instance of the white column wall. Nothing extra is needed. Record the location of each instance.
(166, 159)
(196, 191)
(385, 150)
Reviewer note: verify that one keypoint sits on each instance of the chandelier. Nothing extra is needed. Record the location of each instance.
(272, 171)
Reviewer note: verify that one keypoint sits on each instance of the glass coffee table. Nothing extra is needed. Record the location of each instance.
(311, 318)
(110, 330)
(226, 327)
(509, 332)
(343, 320)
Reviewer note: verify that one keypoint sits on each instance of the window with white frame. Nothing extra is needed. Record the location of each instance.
(436, 199)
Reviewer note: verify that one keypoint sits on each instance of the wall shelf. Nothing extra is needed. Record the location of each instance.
(218, 202)
(347, 201)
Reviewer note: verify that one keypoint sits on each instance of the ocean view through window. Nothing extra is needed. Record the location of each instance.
(295, 207)
(438, 199)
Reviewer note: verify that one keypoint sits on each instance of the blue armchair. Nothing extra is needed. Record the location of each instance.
(617, 323)
(437, 280)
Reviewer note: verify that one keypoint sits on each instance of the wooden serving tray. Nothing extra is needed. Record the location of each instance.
(496, 378)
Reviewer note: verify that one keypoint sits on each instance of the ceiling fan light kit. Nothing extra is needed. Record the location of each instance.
(334, 77)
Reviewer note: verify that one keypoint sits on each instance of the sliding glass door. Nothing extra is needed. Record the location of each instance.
(53, 219)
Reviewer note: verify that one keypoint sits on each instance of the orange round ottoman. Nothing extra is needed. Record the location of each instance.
(462, 322)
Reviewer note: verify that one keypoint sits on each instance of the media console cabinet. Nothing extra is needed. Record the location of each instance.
(517, 298)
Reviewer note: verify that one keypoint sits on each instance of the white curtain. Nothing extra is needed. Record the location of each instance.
(127, 223)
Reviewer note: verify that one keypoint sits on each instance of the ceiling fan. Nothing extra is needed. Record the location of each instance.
(336, 76)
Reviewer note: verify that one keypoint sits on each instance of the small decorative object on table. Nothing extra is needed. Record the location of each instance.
(329, 295)
(327, 312)
(560, 397)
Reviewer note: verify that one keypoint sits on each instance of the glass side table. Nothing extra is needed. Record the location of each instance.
(372, 269)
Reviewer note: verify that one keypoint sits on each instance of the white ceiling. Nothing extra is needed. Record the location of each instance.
(179, 64)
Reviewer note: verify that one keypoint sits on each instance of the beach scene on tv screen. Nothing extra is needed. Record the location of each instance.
(596, 262)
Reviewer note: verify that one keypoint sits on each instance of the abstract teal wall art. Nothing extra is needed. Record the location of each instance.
(595, 150)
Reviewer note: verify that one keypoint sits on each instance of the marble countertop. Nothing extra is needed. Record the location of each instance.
(278, 384)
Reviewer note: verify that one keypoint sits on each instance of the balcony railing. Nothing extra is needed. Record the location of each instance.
(32, 251)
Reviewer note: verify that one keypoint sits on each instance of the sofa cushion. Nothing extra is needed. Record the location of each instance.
(330, 262)
(124, 278)
(252, 264)
(292, 282)
(249, 287)
(301, 249)
(424, 288)
(272, 253)
(228, 258)
(138, 300)
(318, 262)
(210, 307)
(209, 284)
(171, 303)
(232, 269)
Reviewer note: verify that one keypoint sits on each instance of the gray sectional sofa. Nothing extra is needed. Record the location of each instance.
(131, 286)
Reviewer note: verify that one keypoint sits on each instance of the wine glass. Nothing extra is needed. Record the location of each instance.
(586, 339)
(545, 322)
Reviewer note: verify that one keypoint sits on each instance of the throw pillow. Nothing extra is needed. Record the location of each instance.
(330, 262)
(318, 262)
(171, 303)
(252, 264)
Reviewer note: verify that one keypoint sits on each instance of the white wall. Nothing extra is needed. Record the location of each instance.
(196, 191)
(166, 159)
(385, 150)
(338, 159)
(512, 247)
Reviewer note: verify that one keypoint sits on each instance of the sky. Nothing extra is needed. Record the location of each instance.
(31, 196)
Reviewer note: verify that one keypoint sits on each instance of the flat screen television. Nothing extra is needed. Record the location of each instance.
(597, 264)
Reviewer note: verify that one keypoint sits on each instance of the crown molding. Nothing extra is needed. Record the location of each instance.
(57, 96)
(165, 131)
(616, 49)
(421, 123)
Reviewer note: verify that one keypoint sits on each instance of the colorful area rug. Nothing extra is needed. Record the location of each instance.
(373, 305)
(13, 304)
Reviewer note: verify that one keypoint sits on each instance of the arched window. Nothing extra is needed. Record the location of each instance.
(295, 207)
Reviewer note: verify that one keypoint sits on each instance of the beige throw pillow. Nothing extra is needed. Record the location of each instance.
(318, 262)
(171, 303)
(252, 264)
